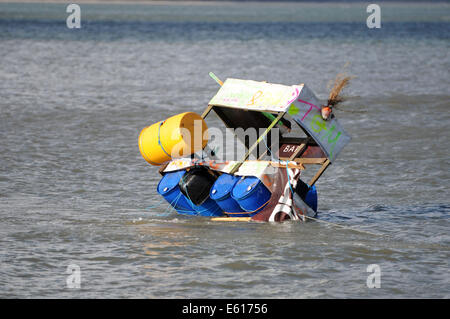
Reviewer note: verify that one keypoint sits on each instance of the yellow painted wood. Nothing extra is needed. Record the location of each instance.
(231, 219)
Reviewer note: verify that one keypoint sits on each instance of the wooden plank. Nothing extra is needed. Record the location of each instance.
(290, 165)
(163, 167)
(302, 160)
(206, 111)
(263, 154)
(292, 148)
(253, 95)
(231, 219)
(286, 150)
(320, 172)
(313, 152)
(299, 149)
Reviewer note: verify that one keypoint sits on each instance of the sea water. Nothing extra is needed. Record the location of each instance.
(75, 192)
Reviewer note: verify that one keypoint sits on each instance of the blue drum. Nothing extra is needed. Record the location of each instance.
(221, 193)
(311, 198)
(169, 189)
(251, 194)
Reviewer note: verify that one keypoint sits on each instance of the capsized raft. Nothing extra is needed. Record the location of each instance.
(262, 189)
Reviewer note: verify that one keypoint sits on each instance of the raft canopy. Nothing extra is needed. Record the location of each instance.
(245, 103)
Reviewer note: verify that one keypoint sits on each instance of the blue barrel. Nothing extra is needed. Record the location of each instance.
(208, 208)
(221, 193)
(251, 194)
(311, 198)
(169, 189)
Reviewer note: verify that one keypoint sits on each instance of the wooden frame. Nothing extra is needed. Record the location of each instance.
(320, 172)
(294, 157)
(206, 111)
(260, 138)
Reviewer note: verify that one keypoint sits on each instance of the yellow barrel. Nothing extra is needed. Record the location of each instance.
(178, 136)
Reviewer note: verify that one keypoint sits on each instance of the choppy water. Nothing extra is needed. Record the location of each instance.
(75, 190)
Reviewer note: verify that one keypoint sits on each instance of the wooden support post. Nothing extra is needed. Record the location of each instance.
(290, 165)
(263, 154)
(231, 219)
(320, 172)
(252, 148)
(310, 161)
(300, 149)
(206, 112)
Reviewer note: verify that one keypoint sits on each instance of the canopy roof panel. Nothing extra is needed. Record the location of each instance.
(257, 96)
(296, 100)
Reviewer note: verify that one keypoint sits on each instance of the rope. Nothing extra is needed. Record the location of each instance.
(169, 207)
(267, 147)
(159, 140)
(272, 157)
(155, 206)
(173, 203)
